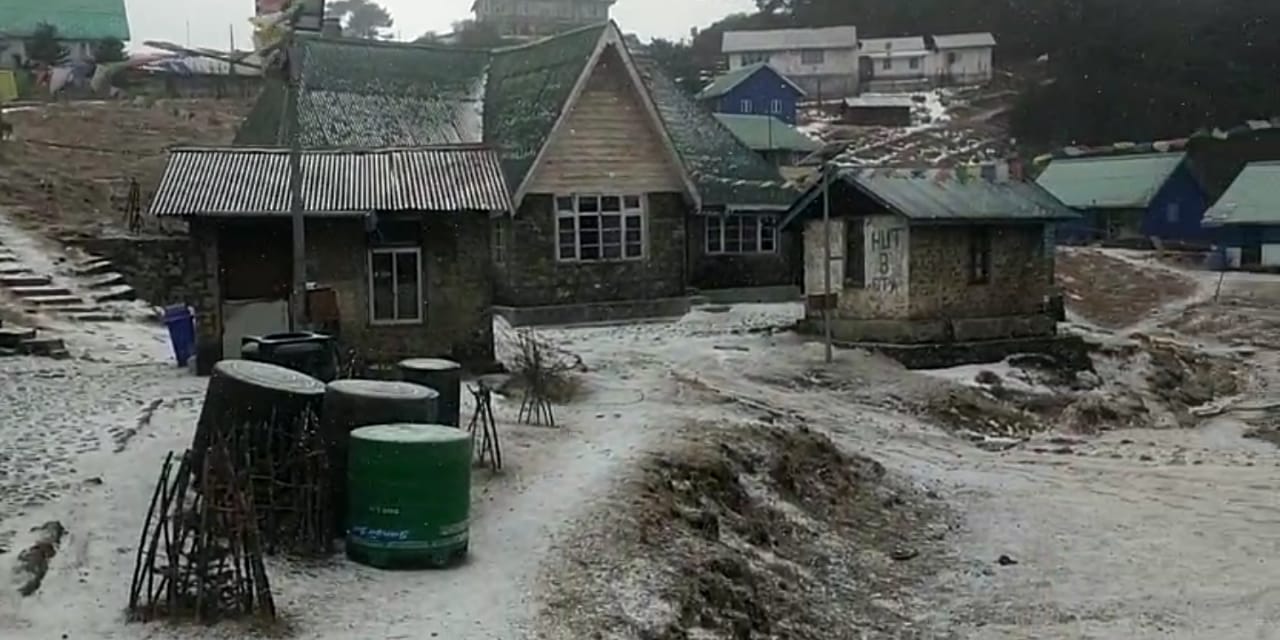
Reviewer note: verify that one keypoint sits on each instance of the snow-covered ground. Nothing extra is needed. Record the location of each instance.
(1145, 534)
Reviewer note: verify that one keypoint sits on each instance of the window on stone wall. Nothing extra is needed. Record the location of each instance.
(739, 234)
(813, 56)
(395, 285)
(855, 257)
(498, 241)
(594, 228)
(980, 255)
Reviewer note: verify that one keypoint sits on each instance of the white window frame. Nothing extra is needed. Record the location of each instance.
(637, 213)
(755, 57)
(717, 230)
(887, 64)
(914, 63)
(775, 106)
(498, 241)
(395, 286)
(745, 105)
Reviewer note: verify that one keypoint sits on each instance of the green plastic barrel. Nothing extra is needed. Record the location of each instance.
(409, 496)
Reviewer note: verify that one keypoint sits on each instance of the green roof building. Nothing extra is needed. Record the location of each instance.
(80, 23)
(779, 142)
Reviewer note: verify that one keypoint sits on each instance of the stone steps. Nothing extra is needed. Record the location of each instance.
(60, 301)
(13, 270)
(114, 293)
(10, 338)
(39, 291)
(94, 316)
(24, 280)
(94, 267)
(47, 347)
(103, 281)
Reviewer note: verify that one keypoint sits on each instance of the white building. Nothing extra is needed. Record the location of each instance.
(823, 62)
(891, 64)
(963, 58)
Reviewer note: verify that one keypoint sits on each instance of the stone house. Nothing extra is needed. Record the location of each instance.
(930, 257)
(403, 251)
(608, 172)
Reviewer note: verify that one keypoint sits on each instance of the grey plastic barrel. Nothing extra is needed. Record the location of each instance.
(445, 376)
(351, 404)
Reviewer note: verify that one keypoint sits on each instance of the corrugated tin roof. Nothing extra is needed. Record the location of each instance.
(767, 133)
(906, 46)
(871, 100)
(244, 181)
(726, 83)
(964, 40)
(790, 39)
(1124, 182)
(1253, 198)
(75, 19)
(945, 195)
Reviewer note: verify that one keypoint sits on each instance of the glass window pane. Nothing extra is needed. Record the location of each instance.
(407, 272)
(612, 251)
(590, 253)
(611, 203)
(567, 249)
(588, 204)
(635, 249)
(611, 222)
(633, 222)
(631, 202)
(589, 237)
(564, 204)
(589, 222)
(383, 286)
(713, 235)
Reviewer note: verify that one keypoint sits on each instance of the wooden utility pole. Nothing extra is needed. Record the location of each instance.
(298, 291)
(826, 260)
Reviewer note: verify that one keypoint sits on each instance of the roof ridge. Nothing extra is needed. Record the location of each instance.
(552, 38)
(308, 37)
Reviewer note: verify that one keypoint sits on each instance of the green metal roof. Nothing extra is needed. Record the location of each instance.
(1122, 182)
(727, 82)
(75, 19)
(529, 86)
(1252, 199)
(944, 196)
(366, 94)
(767, 133)
(726, 172)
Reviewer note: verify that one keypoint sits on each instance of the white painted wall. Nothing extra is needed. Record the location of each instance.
(971, 64)
(1270, 255)
(791, 63)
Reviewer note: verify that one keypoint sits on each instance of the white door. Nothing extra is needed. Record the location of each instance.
(242, 318)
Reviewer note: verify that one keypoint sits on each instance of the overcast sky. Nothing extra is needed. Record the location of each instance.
(207, 21)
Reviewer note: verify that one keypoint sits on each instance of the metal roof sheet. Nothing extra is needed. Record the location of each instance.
(75, 19)
(245, 181)
(964, 41)
(767, 133)
(790, 39)
(1123, 182)
(911, 45)
(874, 100)
(1253, 198)
(946, 195)
(726, 83)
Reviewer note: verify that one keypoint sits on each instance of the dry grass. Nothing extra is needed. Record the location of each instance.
(1113, 292)
(69, 161)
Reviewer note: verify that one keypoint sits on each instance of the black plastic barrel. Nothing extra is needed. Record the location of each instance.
(445, 377)
(351, 404)
(314, 354)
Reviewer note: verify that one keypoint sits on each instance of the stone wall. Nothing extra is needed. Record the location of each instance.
(457, 289)
(1021, 273)
(726, 271)
(532, 275)
(155, 266)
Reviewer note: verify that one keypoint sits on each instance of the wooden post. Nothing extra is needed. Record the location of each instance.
(826, 259)
(298, 291)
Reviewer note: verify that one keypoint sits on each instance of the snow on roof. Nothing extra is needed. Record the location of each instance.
(906, 45)
(872, 100)
(790, 39)
(964, 41)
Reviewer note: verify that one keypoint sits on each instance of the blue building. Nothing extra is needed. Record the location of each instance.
(1246, 219)
(757, 89)
(1129, 197)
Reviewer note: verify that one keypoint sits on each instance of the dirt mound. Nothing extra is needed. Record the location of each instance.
(760, 532)
(1114, 292)
(1183, 377)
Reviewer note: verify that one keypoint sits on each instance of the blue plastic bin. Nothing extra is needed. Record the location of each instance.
(182, 332)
